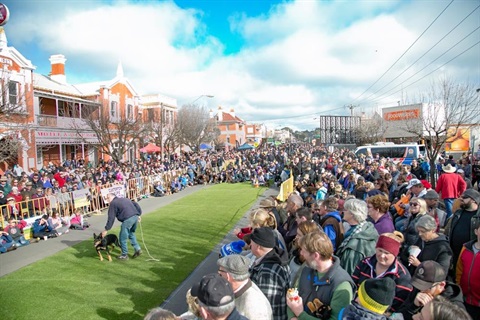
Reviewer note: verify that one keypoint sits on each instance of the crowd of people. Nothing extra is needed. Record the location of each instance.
(360, 237)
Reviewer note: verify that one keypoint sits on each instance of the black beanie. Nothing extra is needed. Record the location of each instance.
(377, 294)
(264, 237)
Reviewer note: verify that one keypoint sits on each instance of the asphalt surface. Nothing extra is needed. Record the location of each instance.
(24, 256)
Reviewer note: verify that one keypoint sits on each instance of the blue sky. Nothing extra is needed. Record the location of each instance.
(274, 62)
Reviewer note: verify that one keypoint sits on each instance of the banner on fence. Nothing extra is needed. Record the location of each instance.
(118, 190)
(81, 198)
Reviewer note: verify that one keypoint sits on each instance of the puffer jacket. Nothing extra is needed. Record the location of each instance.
(397, 272)
(468, 274)
(355, 311)
(358, 245)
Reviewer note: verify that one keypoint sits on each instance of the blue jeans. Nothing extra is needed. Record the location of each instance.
(21, 242)
(127, 231)
(5, 246)
(448, 206)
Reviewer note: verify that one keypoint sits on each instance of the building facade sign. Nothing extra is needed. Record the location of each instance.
(55, 137)
(401, 115)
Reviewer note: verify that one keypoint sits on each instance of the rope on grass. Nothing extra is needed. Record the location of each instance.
(143, 241)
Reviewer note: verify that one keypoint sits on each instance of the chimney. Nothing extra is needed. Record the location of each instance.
(58, 68)
(232, 112)
(220, 114)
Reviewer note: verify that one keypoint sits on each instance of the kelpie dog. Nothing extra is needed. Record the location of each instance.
(102, 243)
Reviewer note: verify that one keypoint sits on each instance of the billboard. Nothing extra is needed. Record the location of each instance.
(459, 141)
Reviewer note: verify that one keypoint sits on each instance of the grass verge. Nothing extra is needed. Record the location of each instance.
(74, 284)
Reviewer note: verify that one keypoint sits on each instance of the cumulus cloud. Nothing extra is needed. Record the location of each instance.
(297, 60)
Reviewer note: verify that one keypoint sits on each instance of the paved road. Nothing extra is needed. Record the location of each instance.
(24, 256)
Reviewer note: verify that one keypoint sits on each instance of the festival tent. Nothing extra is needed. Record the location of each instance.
(246, 146)
(205, 146)
(150, 148)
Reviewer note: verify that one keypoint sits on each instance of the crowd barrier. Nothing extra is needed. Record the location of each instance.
(89, 200)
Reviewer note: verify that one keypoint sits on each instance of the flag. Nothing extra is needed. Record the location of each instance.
(286, 188)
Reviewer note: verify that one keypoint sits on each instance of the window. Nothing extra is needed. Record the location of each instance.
(113, 109)
(13, 92)
(130, 112)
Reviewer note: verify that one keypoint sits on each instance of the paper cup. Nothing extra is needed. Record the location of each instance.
(414, 251)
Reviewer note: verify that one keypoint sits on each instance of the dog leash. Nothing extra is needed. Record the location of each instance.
(143, 241)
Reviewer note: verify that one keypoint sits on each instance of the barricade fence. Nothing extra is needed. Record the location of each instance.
(88, 200)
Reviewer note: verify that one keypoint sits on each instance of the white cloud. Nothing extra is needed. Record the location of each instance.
(299, 58)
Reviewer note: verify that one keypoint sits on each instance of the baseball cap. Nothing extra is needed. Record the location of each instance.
(413, 182)
(428, 273)
(213, 291)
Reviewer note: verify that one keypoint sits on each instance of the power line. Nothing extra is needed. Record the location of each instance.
(404, 52)
(431, 48)
(384, 95)
(458, 55)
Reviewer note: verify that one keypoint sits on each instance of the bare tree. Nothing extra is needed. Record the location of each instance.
(371, 130)
(447, 107)
(115, 134)
(160, 129)
(194, 126)
(14, 95)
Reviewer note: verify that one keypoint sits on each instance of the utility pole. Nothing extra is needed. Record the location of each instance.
(351, 107)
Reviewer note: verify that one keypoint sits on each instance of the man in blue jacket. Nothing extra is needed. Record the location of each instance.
(128, 213)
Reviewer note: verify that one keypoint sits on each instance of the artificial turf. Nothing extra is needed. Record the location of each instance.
(74, 284)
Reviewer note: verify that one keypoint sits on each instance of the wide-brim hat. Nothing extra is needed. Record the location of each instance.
(449, 168)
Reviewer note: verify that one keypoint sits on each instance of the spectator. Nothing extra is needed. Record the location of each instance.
(57, 224)
(216, 298)
(441, 309)
(360, 239)
(15, 230)
(450, 186)
(160, 314)
(40, 202)
(41, 229)
(270, 271)
(460, 227)
(296, 262)
(468, 273)
(429, 281)
(433, 246)
(432, 200)
(378, 213)
(249, 299)
(385, 264)
(6, 242)
(77, 222)
(418, 171)
(331, 221)
(374, 297)
(461, 173)
(323, 280)
(418, 208)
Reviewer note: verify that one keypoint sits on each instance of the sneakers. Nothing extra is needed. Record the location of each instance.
(122, 257)
(137, 253)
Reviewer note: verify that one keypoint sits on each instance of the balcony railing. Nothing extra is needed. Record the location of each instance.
(61, 122)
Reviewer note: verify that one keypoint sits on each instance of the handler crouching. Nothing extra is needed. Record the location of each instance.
(128, 213)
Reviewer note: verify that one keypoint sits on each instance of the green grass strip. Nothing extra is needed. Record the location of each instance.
(74, 284)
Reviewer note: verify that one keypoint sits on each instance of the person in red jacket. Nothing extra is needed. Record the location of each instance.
(450, 186)
(468, 273)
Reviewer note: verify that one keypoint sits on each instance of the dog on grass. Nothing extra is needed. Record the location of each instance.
(107, 244)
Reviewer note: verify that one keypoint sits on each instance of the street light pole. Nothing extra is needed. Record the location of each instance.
(203, 95)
